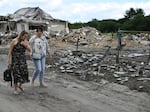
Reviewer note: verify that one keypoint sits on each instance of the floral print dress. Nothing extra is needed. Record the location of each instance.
(19, 65)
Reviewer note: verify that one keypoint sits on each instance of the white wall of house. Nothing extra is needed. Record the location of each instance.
(22, 26)
(57, 26)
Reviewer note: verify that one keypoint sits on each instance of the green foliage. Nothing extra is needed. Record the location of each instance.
(108, 26)
(132, 13)
(134, 19)
(104, 26)
(147, 23)
(76, 25)
(94, 23)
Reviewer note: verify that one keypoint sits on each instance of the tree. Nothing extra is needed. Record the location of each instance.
(140, 12)
(94, 23)
(134, 20)
(108, 26)
(131, 13)
(76, 25)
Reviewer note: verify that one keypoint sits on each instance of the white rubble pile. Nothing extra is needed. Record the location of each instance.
(87, 35)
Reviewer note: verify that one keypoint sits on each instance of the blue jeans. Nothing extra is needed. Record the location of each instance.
(39, 69)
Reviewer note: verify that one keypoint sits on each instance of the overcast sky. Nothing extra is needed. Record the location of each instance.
(78, 10)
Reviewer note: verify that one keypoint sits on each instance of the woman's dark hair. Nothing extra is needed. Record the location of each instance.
(39, 29)
(20, 35)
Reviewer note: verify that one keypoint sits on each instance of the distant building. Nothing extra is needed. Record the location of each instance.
(29, 18)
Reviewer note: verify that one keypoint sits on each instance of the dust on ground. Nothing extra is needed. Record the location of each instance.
(67, 93)
(87, 80)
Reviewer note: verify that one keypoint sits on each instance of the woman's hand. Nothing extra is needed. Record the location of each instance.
(49, 56)
(8, 62)
(25, 43)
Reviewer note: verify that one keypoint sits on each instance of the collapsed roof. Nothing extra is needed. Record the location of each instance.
(31, 13)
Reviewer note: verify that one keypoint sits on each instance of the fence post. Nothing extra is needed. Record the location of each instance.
(119, 45)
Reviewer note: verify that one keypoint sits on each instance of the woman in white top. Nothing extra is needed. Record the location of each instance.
(39, 49)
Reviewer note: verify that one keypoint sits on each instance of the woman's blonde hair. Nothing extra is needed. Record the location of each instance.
(20, 35)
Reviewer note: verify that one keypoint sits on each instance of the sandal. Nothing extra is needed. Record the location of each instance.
(43, 86)
(16, 93)
(21, 89)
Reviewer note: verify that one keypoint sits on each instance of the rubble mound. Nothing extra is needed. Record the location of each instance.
(100, 65)
(85, 35)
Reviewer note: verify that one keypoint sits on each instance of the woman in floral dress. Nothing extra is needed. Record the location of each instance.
(17, 60)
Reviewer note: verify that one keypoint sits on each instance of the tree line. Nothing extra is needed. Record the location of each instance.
(134, 19)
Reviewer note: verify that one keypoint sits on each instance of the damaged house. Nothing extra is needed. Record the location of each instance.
(29, 18)
(4, 24)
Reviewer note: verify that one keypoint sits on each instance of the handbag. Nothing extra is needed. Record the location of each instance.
(7, 75)
(36, 55)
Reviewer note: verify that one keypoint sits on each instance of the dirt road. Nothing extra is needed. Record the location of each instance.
(67, 94)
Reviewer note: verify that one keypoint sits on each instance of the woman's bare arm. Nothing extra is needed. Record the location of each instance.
(10, 51)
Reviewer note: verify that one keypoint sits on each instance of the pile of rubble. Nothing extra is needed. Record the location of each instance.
(88, 36)
(85, 35)
(137, 39)
(91, 37)
(101, 66)
(6, 38)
